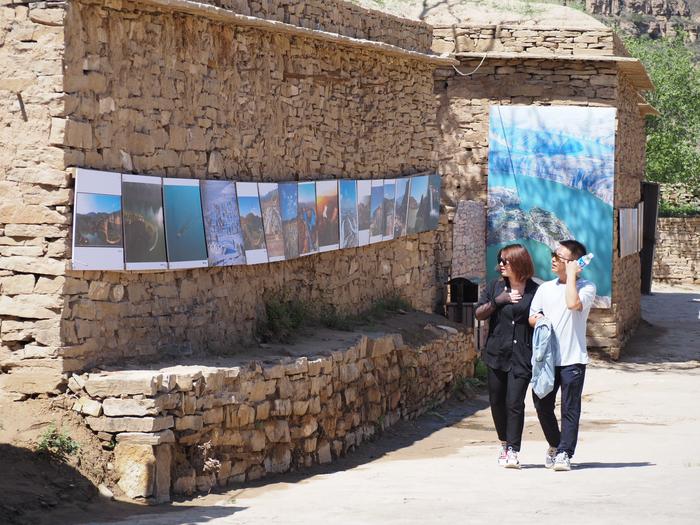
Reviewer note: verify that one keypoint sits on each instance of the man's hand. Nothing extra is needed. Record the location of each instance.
(572, 270)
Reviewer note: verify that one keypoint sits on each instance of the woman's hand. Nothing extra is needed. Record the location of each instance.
(506, 297)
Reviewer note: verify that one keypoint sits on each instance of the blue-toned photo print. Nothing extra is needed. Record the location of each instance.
(376, 221)
(184, 225)
(307, 220)
(288, 210)
(348, 214)
(98, 220)
(222, 224)
(434, 194)
(389, 206)
(401, 207)
(418, 215)
(551, 178)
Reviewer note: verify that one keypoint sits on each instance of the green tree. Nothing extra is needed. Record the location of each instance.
(673, 137)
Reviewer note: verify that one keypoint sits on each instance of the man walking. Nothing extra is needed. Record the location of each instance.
(566, 301)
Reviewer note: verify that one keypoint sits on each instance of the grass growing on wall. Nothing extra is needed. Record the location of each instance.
(285, 319)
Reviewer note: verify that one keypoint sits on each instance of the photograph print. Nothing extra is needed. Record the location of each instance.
(364, 198)
(222, 224)
(272, 220)
(327, 213)
(251, 222)
(307, 221)
(97, 224)
(184, 226)
(289, 196)
(144, 229)
(389, 209)
(546, 164)
(418, 205)
(376, 223)
(434, 196)
(348, 214)
(402, 187)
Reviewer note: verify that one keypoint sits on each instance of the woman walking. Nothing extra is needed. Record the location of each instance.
(508, 354)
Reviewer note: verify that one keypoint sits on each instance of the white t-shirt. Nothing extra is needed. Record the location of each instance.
(569, 325)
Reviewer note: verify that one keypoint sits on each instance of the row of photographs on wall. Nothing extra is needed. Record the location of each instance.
(138, 222)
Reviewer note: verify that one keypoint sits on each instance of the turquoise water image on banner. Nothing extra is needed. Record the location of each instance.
(551, 177)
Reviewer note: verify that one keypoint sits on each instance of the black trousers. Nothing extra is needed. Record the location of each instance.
(570, 379)
(507, 398)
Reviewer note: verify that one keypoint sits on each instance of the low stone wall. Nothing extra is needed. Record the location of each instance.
(188, 428)
(677, 255)
(679, 194)
(519, 39)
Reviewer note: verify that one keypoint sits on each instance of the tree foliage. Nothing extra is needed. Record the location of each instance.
(673, 139)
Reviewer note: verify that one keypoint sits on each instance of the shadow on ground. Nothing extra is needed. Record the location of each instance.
(668, 335)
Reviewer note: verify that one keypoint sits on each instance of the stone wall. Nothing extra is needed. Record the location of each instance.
(337, 16)
(463, 118)
(520, 39)
(128, 86)
(191, 428)
(610, 329)
(34, 195)
(679, 194)
(677, 252)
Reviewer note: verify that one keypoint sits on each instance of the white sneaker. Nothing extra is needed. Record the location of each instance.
(512, 460)
(502, 456)
(562, 463)
(549, 457)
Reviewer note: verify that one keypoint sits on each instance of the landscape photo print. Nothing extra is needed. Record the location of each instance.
(551, 178)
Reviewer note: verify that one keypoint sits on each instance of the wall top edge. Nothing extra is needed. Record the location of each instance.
(227, 16)
(526, 26)
(633, 69)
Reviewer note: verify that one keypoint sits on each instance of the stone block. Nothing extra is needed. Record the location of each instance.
(125, 382)
(277, 431)
(278, 460)
(161, 489)
(246, 415)
(308, 426)
(185, 482)
(129, 424)
(193, 422)
(117, 407)
(324, 452)
(135, 467)
(262, 411)
(34, 380)
(282, 407)
(88, 406)
(147, 438)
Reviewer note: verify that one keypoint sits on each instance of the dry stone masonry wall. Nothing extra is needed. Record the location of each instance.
(131, 87)
(677, 252)
(463, 120)
(519, 39)
(191, 428)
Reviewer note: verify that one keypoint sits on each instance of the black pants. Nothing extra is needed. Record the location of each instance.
(570, 378)
(507, 398)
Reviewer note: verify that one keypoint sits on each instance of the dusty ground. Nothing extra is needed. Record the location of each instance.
(636, 462)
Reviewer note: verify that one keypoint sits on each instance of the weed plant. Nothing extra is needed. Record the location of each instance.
(56, 444)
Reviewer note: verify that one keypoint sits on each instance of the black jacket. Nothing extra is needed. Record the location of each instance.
(509, 343)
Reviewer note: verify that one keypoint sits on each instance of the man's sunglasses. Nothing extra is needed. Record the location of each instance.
(555, 255)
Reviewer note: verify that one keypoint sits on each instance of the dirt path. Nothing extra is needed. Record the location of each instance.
(637, 460)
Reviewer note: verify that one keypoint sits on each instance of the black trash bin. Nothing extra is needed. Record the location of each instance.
(462, 296)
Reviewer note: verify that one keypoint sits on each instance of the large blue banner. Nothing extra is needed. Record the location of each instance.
(551, 177)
